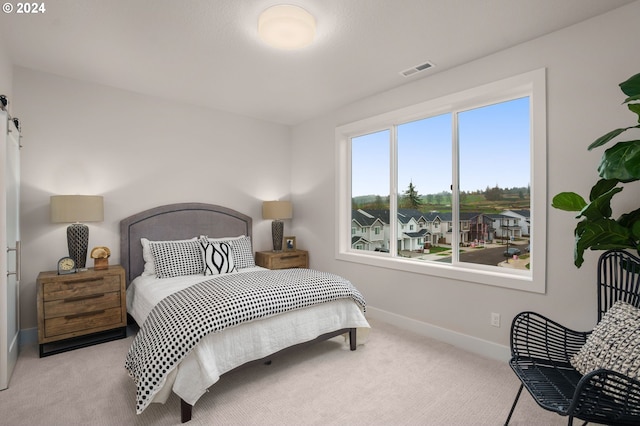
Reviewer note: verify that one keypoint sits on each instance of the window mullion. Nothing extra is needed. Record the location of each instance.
(393, 191)
(455, 185)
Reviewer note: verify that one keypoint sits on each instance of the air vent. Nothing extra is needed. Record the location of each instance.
(416, 69)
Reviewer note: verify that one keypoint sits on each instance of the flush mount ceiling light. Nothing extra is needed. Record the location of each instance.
(286, 27)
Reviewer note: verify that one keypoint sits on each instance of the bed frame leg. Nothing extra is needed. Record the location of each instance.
(352, 338)
(185, 411)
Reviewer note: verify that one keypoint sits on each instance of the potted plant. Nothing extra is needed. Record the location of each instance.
(619, 166)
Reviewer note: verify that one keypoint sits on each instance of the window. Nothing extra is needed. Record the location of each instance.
(468, 169)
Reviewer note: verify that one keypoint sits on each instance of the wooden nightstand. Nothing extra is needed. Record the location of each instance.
(282, 259)
(80, 309)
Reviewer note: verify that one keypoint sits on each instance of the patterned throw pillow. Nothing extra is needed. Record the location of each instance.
(614, 343)
(149, 262)
(242, 250)
(176, 258)
(218, 258)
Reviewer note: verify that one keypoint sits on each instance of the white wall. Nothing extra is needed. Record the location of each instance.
(584, 65)
(138, 152)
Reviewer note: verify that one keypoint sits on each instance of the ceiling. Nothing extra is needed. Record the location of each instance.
(207, 52)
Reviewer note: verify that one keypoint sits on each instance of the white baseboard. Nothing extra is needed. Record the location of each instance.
(463, 341)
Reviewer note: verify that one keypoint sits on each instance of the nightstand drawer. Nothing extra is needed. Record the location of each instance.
(81, 304)
(78, 287)
(282, 259)
(294, 260)
(80, 323)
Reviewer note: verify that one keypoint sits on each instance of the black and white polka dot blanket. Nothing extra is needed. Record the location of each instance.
(180, 320)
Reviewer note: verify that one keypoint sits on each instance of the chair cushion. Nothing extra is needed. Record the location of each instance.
(614, 343)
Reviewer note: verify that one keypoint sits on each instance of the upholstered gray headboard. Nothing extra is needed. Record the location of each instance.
(176, 222)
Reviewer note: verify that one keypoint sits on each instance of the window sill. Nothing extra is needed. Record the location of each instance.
(477, 274)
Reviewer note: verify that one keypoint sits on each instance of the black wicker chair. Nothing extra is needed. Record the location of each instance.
(541, 349)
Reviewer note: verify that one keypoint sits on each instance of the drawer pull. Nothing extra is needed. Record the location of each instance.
(84, 280)
(294, 256)
(91, 296)
(84, 314)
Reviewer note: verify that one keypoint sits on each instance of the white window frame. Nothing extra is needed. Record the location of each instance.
(531, 84)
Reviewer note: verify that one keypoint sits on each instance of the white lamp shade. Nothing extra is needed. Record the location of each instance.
(76, 208)
(286, 27)
(277, 210)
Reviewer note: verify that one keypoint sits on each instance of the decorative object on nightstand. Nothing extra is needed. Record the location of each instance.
(277, 210)
(67, 265)
(75, 209)
(290, 243)
(283, 259)
(100, 256)
(81, 309)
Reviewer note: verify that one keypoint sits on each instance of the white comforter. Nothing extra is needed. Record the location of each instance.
(218, 353)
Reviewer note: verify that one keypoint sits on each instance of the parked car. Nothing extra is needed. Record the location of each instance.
(511, 251)
(383, 250)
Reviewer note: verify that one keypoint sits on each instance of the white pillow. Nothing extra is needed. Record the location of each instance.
(147, 256)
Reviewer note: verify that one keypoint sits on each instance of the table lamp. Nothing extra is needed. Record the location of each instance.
(277, 210)
(75, 209)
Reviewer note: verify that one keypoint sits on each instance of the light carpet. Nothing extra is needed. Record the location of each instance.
(396, 378)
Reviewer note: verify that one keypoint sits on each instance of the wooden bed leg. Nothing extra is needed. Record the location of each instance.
(352, 338)
(185, 411)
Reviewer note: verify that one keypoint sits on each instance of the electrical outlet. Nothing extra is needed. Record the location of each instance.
(495, 319)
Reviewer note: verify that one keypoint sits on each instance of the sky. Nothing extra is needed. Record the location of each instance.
(494, 149)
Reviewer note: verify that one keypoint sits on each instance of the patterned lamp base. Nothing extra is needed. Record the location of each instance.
(78, 241)
(277, 234)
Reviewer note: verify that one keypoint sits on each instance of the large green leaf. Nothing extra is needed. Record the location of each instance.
(606, 138)
(600, 207)
(621, 162)
(635, 233)
(635, 108)
(629, 219)
(631, 87)
(602, 187)
(603, 234)
(569, 201)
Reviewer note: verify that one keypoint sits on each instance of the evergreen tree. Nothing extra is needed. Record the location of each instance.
(411, 199)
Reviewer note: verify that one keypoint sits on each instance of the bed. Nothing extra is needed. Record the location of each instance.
(227, 342)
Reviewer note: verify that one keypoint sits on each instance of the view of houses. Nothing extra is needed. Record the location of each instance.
(370, 229)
